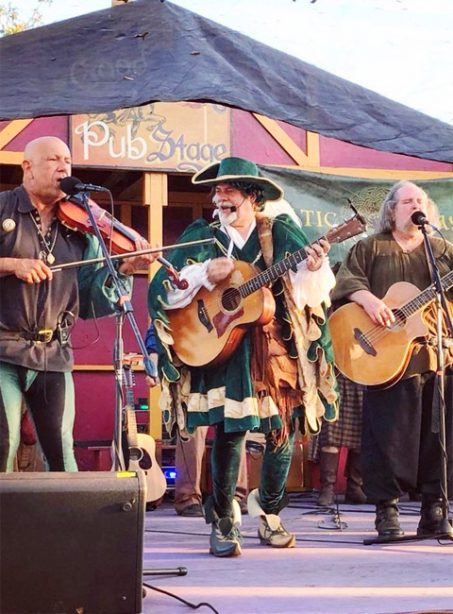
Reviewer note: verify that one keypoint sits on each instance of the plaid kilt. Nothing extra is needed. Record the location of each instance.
(347, 430)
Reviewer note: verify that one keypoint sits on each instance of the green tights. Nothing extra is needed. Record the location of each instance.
(226, 454)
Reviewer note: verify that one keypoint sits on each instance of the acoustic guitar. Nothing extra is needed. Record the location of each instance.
(375, 355)
(142, 447)
(207, 331)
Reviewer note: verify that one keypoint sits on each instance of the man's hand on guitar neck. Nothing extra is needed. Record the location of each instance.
(316, 253)
(376, 309)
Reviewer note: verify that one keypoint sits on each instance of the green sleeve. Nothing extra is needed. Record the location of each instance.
(353, 274)
(161, 284)
(97, 294)
(288, 237)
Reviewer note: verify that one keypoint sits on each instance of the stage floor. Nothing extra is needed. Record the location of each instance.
(329, 571)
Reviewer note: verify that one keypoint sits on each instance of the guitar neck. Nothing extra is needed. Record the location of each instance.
(426, 297)
(271, 274)
(347, 229)
(130, 408)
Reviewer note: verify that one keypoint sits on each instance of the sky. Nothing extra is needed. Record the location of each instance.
(402, 49)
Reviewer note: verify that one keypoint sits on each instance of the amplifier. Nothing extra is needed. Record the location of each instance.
(71, 542)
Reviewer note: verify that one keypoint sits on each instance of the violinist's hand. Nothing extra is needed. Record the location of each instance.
(131, 265)
(27, 269)
(219, 269)
(316, 253)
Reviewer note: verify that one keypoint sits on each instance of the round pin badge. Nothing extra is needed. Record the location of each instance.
(8, 225)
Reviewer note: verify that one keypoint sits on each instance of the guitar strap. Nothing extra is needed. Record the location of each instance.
(274, 373)
(308, 377)
(264, 227)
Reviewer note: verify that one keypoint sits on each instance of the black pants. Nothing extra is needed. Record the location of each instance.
(400, 452)
(50, 398)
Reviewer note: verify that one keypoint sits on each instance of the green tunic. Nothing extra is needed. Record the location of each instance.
(377, 262)
(225, 392)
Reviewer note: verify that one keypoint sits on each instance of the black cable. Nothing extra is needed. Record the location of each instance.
(255, 537)
(191, 605)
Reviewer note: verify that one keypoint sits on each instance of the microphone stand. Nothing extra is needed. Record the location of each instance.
(438, 423)
(439, 405)
(124, 309)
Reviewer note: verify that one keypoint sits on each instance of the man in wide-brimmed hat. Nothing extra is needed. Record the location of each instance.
(240, 356)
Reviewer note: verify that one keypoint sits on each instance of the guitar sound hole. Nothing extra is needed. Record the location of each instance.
(135, 454)
(145, 463)
(231, 299)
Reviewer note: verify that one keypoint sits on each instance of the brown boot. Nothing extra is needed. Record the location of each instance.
(328, 464)
(354, 493)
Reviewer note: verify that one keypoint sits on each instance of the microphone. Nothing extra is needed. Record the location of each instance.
(419, 218)
(72, 185)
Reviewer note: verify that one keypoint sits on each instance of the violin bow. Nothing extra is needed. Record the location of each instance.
(141, 252)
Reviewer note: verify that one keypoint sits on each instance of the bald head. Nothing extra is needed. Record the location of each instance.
(42, 145)
(47, 160)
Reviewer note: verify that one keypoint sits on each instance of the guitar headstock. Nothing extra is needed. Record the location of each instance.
(347, 229)
(132, 360)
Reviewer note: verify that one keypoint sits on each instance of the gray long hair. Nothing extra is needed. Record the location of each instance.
(386, 215)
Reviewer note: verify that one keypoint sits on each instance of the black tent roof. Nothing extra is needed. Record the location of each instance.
(152, 50)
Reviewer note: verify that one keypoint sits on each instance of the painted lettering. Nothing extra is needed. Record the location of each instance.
(94, 134)
(159, 145)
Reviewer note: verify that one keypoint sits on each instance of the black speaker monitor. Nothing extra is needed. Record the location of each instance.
(71, 542)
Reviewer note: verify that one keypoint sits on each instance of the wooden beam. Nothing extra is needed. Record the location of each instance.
(313, 149)
(155, 197)
(11, 157)
(283, 139)
(374, 173)
(10, 131)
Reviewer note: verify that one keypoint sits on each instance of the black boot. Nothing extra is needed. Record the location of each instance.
(354, 493)
(431, 516)
(328, 476)
(387, 523)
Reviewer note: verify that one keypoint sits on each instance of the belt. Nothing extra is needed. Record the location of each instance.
(45, 335)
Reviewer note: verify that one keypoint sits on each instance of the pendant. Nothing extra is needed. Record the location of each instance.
(50, 258)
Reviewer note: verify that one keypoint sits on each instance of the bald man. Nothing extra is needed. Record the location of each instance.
(38, 308)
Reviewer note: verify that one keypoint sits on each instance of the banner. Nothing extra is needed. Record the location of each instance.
(322, 201)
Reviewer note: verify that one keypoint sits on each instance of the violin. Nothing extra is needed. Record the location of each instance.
(122, 239)
(73, 214)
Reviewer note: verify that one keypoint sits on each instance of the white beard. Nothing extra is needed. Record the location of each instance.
(225, 219)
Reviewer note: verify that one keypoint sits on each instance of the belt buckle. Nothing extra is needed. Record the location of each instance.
(44, 335)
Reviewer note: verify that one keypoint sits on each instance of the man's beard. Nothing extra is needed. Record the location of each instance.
(226, 216)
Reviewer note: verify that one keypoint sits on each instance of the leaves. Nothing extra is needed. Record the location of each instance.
(11, 20)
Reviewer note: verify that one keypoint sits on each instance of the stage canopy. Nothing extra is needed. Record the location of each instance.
(152, 50)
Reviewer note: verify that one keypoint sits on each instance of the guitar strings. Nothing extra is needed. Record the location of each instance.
(377, 333)
(402, 314)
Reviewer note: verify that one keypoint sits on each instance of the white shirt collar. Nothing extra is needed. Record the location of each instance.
(236, 237)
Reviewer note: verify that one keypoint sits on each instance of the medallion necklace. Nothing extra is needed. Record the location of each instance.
(47, 255)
